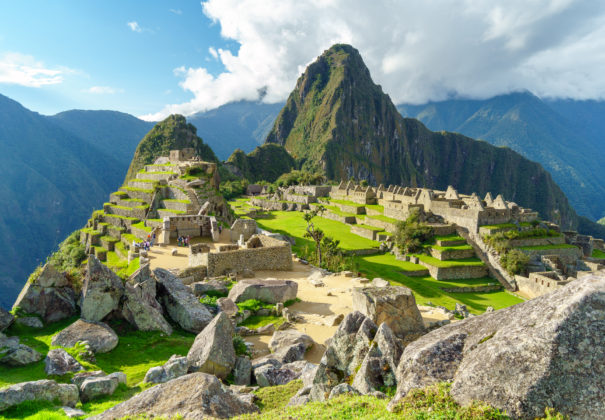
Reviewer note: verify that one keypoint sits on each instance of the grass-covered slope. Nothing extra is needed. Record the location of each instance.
(338, 121)
(173, 133)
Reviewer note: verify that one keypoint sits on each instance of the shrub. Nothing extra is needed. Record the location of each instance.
(514, 261)
(411, 233)
(239, 345)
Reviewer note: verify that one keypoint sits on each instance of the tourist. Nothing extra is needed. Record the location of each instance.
(152, 238)
(180, 241)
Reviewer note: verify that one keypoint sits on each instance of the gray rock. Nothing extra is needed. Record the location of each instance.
(175, 367)
(289, 338)
(141, 309)
(378, 282)
(342, 389)
(101, 292)
(203, 287)
(268, 329)
(269, 375)
(212, 351)
(30, 321)
(193, 396)
(59, 362)
(227, 306)
(100, 336)
(394, 305)
(291, 353)
(302, 397)
(334, 320)
(44, 390)
(182, 306)
(73, 412)
(461, 310)
(489, 309)
(119, 376)
(93, 388)
(14, 354)
(49, 295)
(545, 352)
(242, 371)
(6, 319)
(79, 378)
(268, 291)
(267, 360)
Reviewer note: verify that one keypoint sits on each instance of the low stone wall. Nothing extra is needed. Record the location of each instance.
(272, 255)
(442, 230)
(455, 273)
(314, 190)
(126, 212)
(389, 227)
(479, 289)
(139, 233)
(348, 208)
(246, 227)
(140, 184)
(372, 212)
(300, 198)
(196, 255)
(107, 244)
(538, 284)
(550, 240)
(342, 219)
(173, 193)
(452, 254)
(271, 205)
(364, 233)
(118, 221)
(142, 195)
(176, 205)
(156, 176)
(567, 255)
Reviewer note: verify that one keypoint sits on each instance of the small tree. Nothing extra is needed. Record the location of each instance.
(314, 232)
(514, 261)
(411, 233)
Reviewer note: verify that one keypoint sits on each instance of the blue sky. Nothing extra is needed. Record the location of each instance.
(92, 45)
(153, 58)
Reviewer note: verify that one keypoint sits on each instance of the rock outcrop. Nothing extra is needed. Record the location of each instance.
(175, 367)
(49, 295)
(212, 351)
(59, 362)
(140, 308)
(100, 336)
(193, 396)
(268, 291)
(93, 388)
(289, 345)
(44, 390)
(394, 305)
(12, 353)
(101, 292)
(546, 352)
(6, 319)
(182, 306)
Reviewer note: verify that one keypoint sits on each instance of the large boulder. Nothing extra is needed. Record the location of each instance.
(344, 354)
(180, 303)
(59, 362)
(175, 367)
(289, 345)
(140, 308)
(268, 291)
(93, 388)
(6, 319)
(14, 354)
(48, 295)
(394, 305)
(216, 287)
(44, 390)
(212, 351)
(100, 336)
(546, 352)
(193, 396)
(242, 371)
(101, 292)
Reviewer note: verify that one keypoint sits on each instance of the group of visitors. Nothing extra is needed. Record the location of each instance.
(184, 240)
(145, 245)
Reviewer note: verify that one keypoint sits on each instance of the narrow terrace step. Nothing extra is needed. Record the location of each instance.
(157, 176)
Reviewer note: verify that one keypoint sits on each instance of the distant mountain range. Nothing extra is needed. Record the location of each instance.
(566, 137)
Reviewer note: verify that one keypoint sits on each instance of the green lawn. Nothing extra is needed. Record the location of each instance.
(449, 263)
(376, 207)
(598, 253)
(453, 247)
(451, 237)
(372, 228)
(292, 224)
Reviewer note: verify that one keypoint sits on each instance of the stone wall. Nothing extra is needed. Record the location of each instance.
(478, 289)
(342, 219)
(246, 227)
(452, 254)
(567, 255)
(157, 176)
(314, 190)
(192, 225)
(347, 208)
(196, 254)
(272, 255)
(455, 273)
(551, 240)
(389, 227)
(538, 284)
(364, 233)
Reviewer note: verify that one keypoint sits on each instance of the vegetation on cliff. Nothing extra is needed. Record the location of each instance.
(266, 162)
(171, 134)
(339, 122)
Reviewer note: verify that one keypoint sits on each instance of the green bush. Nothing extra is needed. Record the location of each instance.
(239, 345)
(514, 261)
(232, 189)
(411, 234)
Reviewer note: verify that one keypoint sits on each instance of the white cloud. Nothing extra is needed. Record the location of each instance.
(418, 50)
(213, 52)
(24, 70)
(134, 26)
(103, 90)
(176, 11)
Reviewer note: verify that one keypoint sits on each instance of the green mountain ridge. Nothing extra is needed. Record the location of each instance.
(266, 163)
(338, 121)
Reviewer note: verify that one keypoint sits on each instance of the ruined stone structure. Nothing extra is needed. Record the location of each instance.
(354, 193)
(260, 253)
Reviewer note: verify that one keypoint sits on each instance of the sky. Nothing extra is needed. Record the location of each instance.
(151, 58)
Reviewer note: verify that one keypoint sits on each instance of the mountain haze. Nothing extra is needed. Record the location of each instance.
(569, 144)
(338, 121)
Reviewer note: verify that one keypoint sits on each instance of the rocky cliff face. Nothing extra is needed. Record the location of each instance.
(338, 121)
(266, 162)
